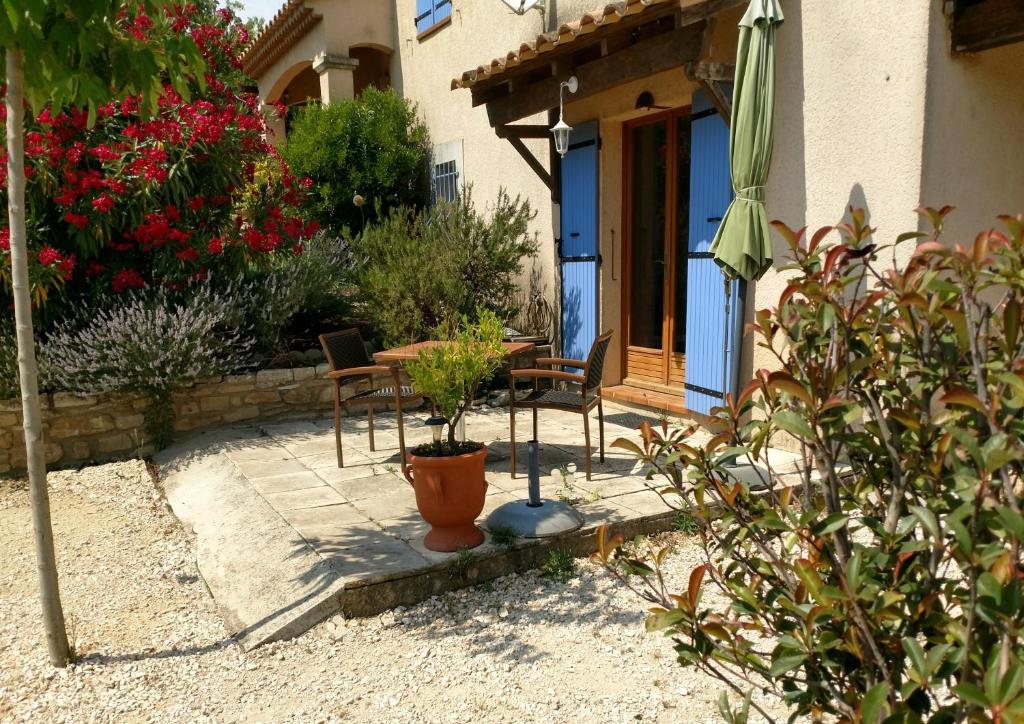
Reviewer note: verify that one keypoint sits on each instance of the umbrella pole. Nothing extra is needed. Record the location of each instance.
(732, 460)
(725, 339)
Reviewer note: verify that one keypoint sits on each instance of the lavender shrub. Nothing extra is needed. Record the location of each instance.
(154, 342)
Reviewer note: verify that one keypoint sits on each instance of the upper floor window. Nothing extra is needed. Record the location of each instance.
(432, 14)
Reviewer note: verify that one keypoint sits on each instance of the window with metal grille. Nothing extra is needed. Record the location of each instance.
(446, 182)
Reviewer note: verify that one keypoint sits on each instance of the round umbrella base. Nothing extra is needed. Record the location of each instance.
(755, 475)
(550, 518)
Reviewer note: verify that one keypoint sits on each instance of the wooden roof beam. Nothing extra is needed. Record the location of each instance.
(663, 52)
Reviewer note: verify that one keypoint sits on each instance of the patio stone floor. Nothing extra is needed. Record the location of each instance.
(285, 537)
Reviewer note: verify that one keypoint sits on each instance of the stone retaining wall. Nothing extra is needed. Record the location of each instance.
(79, 429)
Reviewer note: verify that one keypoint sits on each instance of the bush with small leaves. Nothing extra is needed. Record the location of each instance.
(888, 585)
(419, 271)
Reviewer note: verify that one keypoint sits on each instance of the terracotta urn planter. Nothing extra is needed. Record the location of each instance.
(450, 494)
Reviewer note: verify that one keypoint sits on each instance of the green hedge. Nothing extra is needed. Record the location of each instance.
(374, 146)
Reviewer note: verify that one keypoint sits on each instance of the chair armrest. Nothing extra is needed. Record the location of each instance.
(560, 362)
(553, 374)
(361, 372)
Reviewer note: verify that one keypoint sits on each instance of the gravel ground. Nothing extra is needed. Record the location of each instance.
(153, 649)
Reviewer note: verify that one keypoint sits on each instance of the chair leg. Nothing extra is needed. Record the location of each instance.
(512, 433)
(369, 418)
(535, 424)
(337, 424)
(401, 427)
(586, 439)
(600, 426)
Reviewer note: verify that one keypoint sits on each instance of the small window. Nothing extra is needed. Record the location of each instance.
(446, 176)
(432, 14)
(446, 182)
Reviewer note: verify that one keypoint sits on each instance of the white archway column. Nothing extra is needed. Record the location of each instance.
(337, 76)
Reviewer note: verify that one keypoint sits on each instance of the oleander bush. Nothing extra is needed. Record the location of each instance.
(886, 584)
(420, 271)
(374, 146)
(123, 196)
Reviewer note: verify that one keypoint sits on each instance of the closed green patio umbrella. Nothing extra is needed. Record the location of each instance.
(742, 246)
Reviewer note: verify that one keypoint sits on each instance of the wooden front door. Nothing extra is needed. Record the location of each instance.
(657, 200)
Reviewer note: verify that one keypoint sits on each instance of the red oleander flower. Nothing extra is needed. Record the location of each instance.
(103, 203)
(216, 246)
(127, 279)
(76, 220)
(48, 256)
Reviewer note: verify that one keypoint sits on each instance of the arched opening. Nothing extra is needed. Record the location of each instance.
(302, 89)
(374, 68)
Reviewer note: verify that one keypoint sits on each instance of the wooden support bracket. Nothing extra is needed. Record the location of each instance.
(719, 100)
(710, 70)
(531, 160)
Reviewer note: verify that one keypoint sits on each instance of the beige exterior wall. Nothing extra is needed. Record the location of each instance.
(422, 70)
(850, 107)
(973, 134)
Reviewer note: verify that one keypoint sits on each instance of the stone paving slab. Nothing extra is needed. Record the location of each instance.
(285, 537)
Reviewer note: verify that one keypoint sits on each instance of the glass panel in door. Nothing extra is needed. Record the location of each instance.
(647, 235)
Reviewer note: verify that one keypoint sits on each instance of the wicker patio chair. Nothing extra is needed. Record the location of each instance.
(349, 362)
(582, 401)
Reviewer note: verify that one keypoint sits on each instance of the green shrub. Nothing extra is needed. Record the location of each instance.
(315, 285)
(374, 146)
(451, 374)
(420, 271)
(891, 587)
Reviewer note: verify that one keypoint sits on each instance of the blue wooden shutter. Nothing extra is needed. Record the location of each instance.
(424, 14)
(442, 10)
(578, 253)
(430, 12)
(710, 193)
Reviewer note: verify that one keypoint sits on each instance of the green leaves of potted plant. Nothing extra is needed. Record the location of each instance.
(448, 475)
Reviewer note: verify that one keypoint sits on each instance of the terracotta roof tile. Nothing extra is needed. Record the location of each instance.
(607, 14)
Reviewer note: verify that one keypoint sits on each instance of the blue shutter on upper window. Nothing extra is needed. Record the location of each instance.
(442, 10)
(424, 14)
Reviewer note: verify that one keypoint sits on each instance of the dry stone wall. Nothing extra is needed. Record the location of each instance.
(79, 429)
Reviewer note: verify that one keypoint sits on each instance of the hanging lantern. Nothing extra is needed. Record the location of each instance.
(561, 130)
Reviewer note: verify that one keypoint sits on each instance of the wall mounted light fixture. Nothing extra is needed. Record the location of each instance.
(561, 130)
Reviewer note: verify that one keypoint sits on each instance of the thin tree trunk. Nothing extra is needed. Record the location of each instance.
(46, 562)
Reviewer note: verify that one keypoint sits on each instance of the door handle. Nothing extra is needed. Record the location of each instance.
(574, 234)
(714, 219)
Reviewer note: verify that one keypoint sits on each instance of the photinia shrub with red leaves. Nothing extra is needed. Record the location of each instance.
(141, 199)
(884, 581)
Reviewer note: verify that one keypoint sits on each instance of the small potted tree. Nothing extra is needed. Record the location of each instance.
(448, 475)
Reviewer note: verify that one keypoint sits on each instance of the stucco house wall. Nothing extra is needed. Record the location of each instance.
(850, 105)
(422, 70)
(973, 152)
